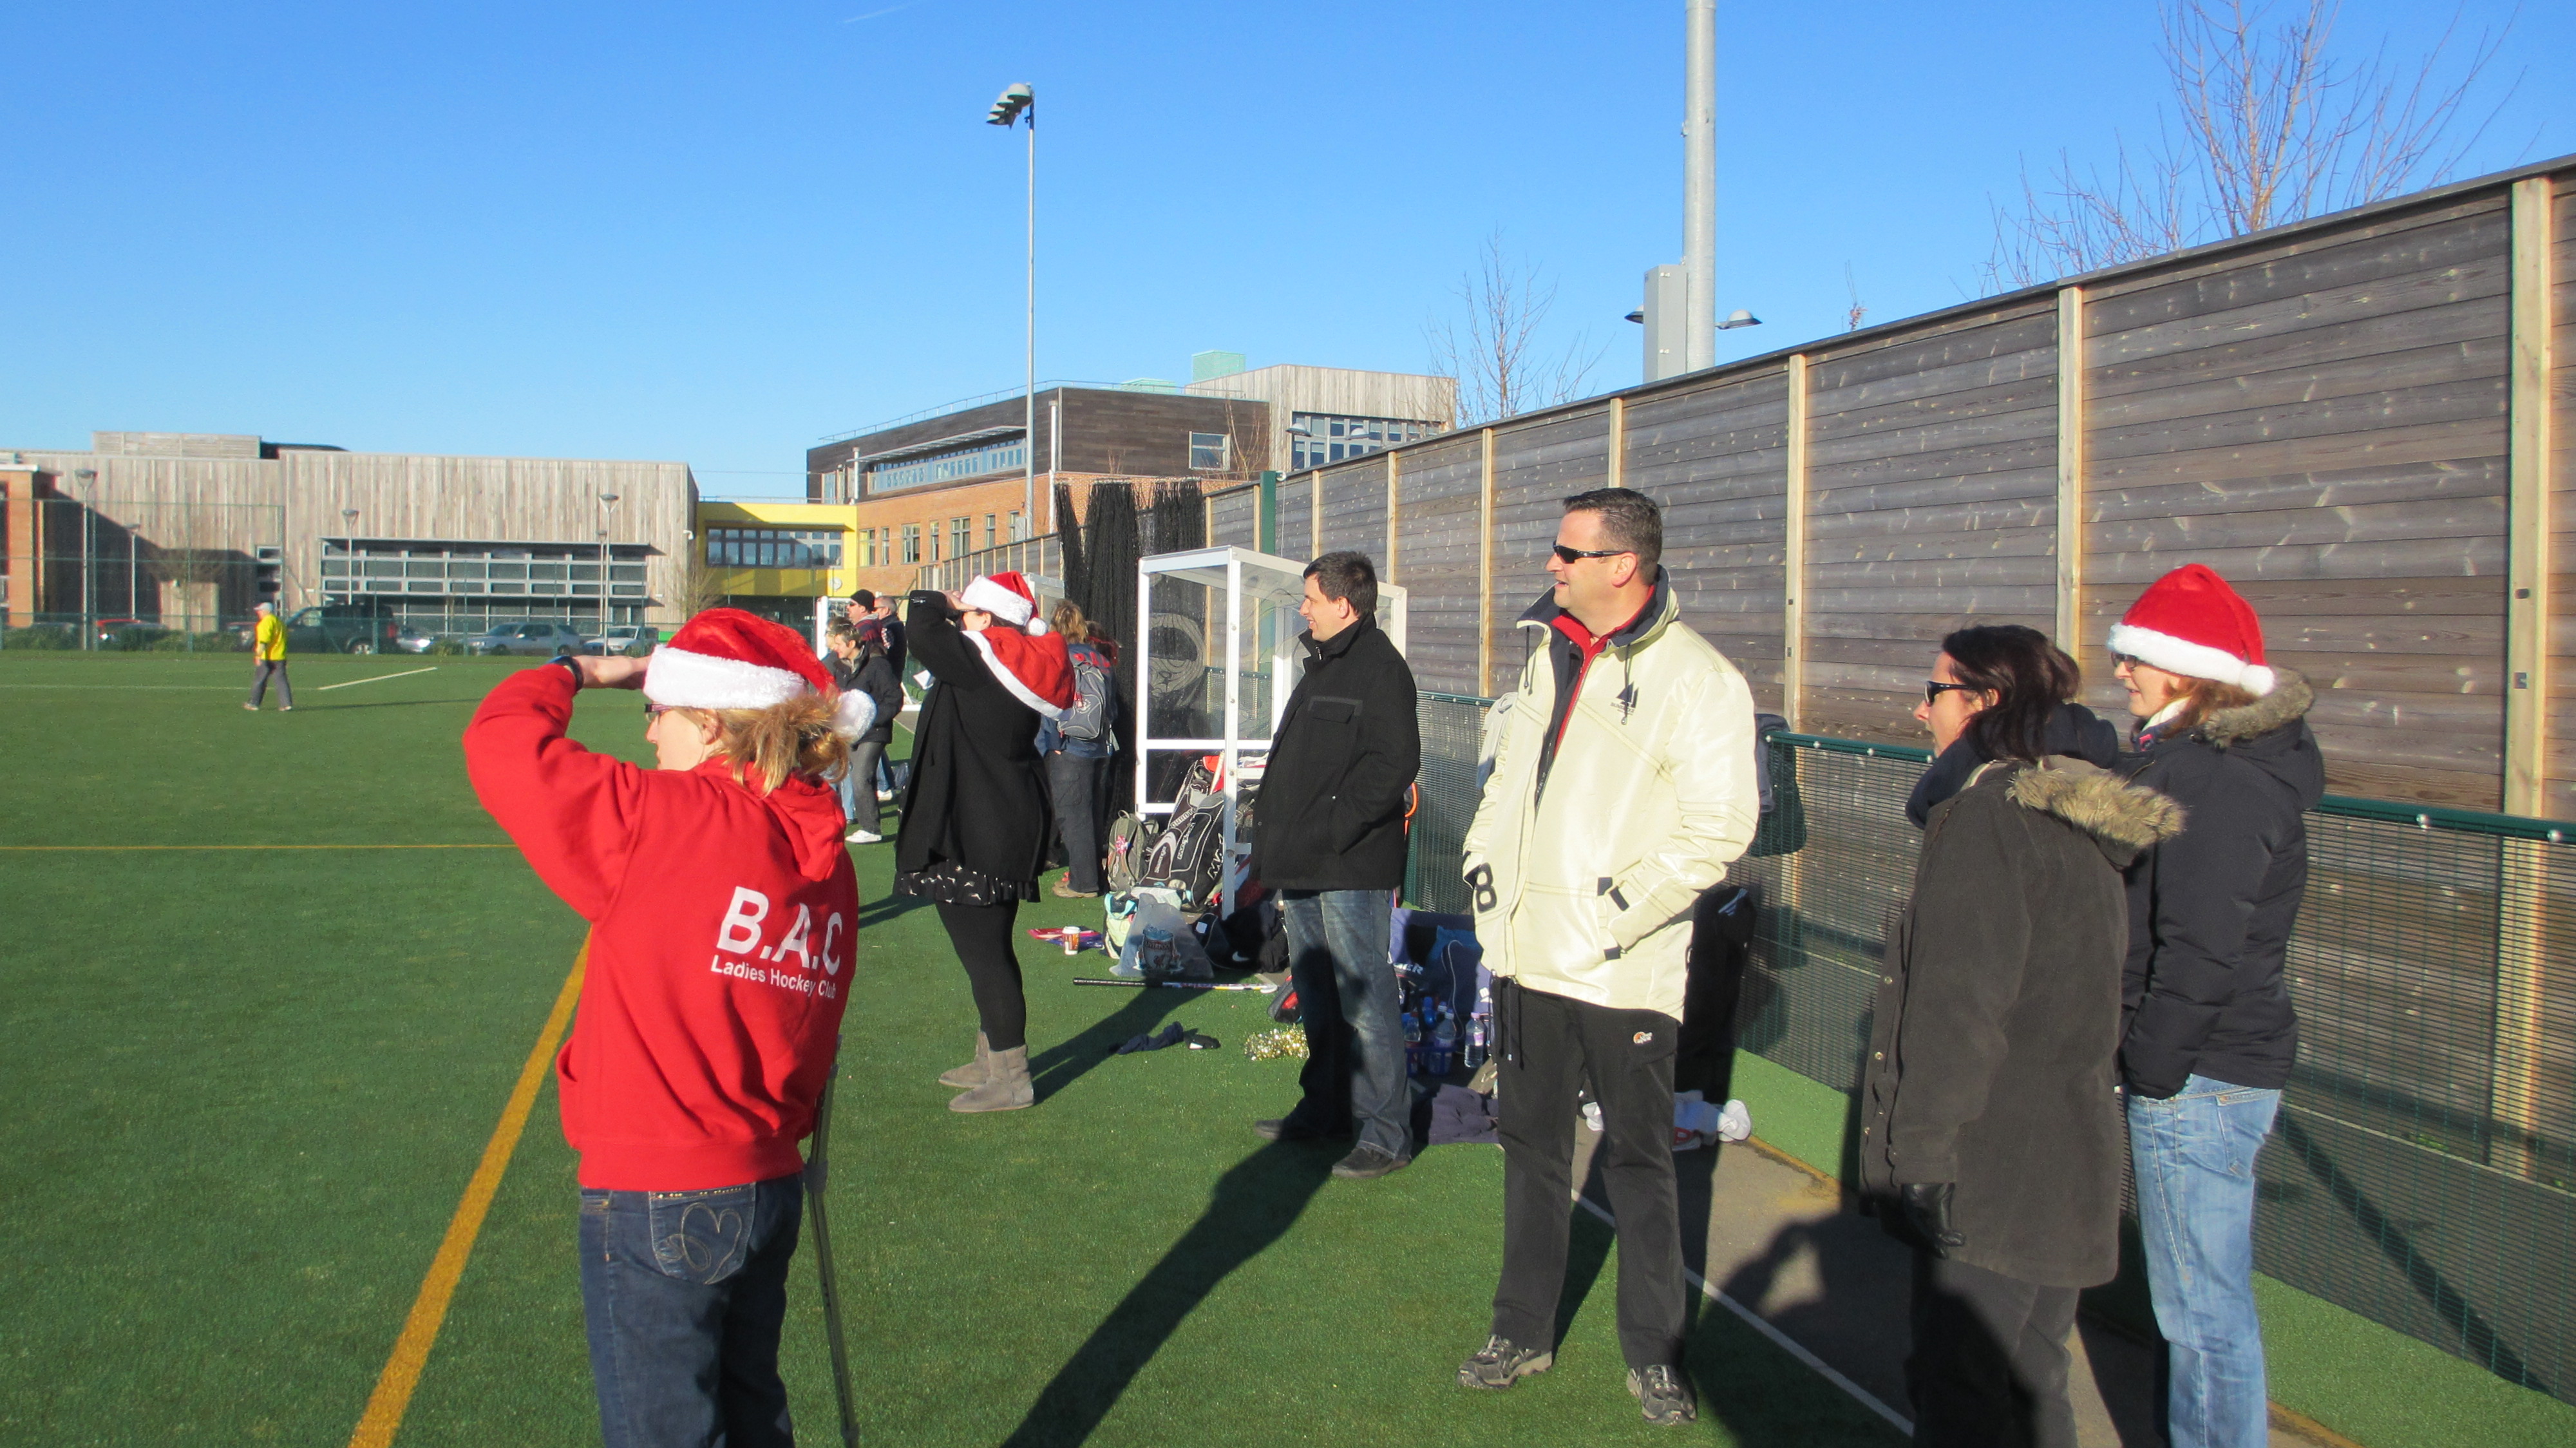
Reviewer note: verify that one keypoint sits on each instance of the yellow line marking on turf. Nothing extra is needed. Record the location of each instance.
(375, 679)
(504, 846)
(376, 1427)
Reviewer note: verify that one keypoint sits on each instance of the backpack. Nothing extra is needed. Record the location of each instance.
(1092, 697)
(1129, 838)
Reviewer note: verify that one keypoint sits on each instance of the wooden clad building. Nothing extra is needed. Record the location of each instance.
(450, 538)
(2362, 421)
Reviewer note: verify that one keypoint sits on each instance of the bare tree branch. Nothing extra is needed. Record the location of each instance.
(1495, 354)
(2263, 127)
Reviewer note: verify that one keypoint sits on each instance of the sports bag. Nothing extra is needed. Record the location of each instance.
(1189, 851)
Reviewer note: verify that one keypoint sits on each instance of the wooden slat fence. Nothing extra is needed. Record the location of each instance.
(2325, 413)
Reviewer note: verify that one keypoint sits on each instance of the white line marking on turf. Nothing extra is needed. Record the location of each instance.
(1786, 1343)
(227, 688)
(375, 679)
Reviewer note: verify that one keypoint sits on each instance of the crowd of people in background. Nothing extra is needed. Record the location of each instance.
(2095, 931)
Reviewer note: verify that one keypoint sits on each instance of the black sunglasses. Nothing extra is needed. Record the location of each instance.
(1933, 689)
(1576, 555)
(2126, 661)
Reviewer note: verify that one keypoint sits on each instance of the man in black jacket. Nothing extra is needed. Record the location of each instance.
(1329, 837)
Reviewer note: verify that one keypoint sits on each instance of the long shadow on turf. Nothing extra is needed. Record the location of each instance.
(1064, 1063)
(1254, 1205)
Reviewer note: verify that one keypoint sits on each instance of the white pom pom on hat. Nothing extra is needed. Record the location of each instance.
(2190, 622)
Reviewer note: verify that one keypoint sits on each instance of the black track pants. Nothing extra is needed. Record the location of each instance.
(1990, 1359)
(1552, 1046)
(982, 936)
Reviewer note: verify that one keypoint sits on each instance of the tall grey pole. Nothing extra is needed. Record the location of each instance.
(1029, 420)
(1699, 184)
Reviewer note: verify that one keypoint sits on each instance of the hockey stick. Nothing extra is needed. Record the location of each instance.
(817, 1175)
(1177, 984)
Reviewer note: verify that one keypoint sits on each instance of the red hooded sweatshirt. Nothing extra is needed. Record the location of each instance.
(723, 927)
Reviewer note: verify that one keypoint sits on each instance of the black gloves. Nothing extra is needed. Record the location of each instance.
(1927, 1211)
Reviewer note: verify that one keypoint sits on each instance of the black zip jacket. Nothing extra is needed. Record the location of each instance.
(1331, 811)
(872, 674)
(2211, 910)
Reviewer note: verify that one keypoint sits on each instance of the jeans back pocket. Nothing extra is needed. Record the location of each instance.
(702, 1237)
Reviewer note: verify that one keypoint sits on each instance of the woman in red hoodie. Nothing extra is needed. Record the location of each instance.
(724, 918)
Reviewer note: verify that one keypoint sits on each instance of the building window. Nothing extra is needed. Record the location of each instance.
(949, 466)
(1017, 532)
(992, 533)
(961, 537)
(912, 542)
(774, 547)
(1207, 451)
(1323, 437)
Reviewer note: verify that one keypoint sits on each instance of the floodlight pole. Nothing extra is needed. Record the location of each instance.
(1699, 186)
(608, 520)
(1020, 103)
(88, 485)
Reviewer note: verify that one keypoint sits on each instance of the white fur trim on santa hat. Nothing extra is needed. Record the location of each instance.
(2191, 660)
(999, 600)
(702, 681)
(853, 714)
(1012, 682)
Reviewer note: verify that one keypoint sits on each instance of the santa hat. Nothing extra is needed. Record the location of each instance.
(1034, 667)
(728, 659)
(1006, 596)
(2190, 622)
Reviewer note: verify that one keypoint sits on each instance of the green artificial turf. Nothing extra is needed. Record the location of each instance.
(249, 1086)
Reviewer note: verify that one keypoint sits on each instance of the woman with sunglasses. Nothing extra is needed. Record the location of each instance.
(2209, 1032)
(1991, 1135)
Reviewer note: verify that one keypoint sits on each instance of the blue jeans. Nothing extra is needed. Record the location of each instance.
(1346, 991)
(2194, 1157)
(684, 1294)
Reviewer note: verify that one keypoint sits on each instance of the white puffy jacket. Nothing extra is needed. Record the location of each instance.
(1586, 891)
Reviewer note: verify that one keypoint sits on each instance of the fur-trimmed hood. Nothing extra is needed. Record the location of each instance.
(2124, 819)
(2289, 701)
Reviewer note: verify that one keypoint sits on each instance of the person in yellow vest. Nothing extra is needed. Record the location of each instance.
(268, 656)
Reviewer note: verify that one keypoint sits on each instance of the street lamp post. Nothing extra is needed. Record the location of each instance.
(349, 558)
(88, 484)
(1018, 103)
(608, 519)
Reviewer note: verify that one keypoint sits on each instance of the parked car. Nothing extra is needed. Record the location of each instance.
(128, 633)
(411, 638)
(544, 640)
(337, 628)
(635, 640)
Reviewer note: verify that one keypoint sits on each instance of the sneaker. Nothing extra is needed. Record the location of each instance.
(254, 708)
(864, 837)
(1064, 891)
(1498, 1364)
(1367, 1163)
(885, 796)
(1664, 1395)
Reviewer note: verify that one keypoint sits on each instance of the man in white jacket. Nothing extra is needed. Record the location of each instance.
(1621, 787)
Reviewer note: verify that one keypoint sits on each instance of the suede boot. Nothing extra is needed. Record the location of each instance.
(975, 1072)
(1006, 1088)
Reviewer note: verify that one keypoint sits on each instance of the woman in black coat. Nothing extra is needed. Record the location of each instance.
(1991, 1132)
(2209, 1034)
(859, 662)
(975, 818)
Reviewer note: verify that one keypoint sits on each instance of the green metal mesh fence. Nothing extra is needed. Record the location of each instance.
(2423, 1171)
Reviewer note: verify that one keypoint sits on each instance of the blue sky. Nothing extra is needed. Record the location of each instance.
(715, 233)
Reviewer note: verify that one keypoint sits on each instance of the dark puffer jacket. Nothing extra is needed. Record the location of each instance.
(2210, 910)
(978, 793)
(1331, 811)
(1998, 1019)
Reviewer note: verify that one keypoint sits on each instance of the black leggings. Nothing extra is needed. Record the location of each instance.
(982, 936)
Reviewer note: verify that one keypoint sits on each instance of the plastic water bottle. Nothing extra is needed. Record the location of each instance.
(1444, 1044)
(1412, 1045)
(1479, 1040)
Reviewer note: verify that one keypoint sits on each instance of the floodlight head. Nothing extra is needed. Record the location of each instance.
(1007, 109)
(1739, 318)
(1638, 315)
(608, 497)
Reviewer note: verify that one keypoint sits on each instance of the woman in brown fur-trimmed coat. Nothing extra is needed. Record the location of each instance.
(1991, 1137)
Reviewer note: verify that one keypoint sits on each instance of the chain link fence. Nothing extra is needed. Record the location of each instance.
(2423, 1170)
